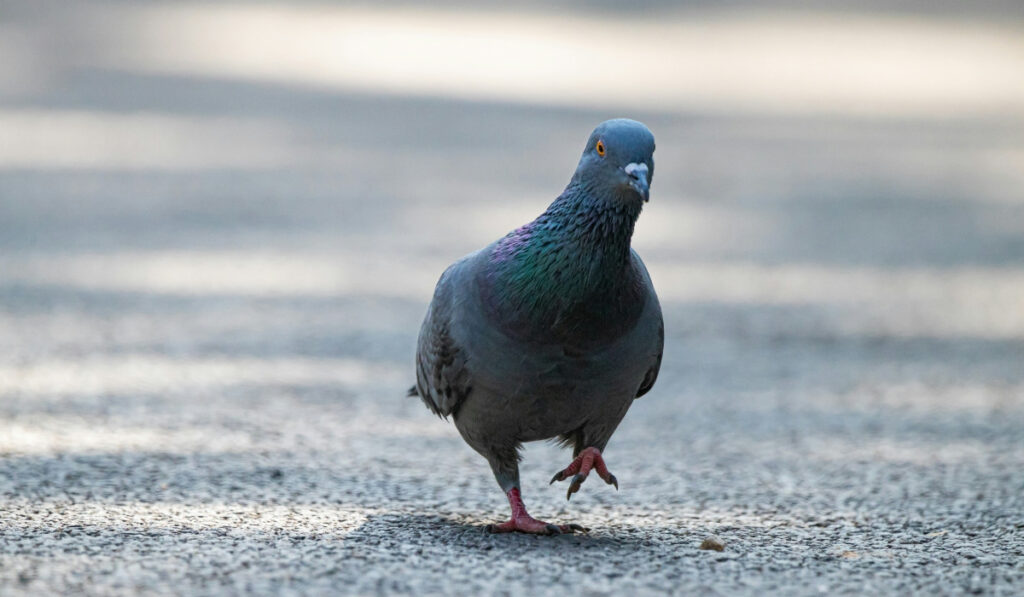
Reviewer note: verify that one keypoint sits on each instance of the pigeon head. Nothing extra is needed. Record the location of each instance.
(541, 274)
(618, 160)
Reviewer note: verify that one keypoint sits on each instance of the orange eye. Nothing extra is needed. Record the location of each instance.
(600, 148)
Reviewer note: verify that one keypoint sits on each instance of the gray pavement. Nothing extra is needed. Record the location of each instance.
(210, 288)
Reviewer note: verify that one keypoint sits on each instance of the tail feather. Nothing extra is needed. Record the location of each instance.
(412, 392)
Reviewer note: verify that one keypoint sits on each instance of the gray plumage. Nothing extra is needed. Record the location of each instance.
(552, 331)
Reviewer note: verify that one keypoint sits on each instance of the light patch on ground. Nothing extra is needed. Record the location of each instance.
(907, 301)
(238, 519)
(200, 273)
(905, 452)
(82, 139)
(117, 374)
(55, 435)
(850, 64)
(923, 398)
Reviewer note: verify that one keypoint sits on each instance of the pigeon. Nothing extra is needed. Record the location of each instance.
(551, 332)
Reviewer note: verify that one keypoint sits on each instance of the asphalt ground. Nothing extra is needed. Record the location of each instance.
(210, 288)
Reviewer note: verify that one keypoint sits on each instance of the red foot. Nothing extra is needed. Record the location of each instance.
(522, 522)
(589, 458)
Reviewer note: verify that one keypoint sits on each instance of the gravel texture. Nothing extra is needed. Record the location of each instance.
(207, 329)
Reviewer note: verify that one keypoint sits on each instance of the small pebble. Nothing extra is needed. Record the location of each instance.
(712, 542)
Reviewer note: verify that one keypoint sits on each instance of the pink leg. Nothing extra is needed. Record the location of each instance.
(588, 459)
(524, 523)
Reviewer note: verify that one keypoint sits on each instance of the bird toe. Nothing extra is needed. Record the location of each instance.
(577, 480)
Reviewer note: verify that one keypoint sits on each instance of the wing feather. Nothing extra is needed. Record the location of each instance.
(655, 312)
(442, 380)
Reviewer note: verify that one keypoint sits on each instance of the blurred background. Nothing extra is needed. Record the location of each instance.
(220, 224)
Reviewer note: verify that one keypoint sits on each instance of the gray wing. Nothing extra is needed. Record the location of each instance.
(652, 374)
(442, 380)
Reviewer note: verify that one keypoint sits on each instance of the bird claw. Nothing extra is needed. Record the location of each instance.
(532, 526)
(577, 480)
(566, 529)
(587, 459)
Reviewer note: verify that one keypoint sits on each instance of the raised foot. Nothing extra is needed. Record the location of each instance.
(587, 460)
(529, 524)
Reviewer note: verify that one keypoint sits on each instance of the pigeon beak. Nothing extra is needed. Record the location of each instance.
(637, 174)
